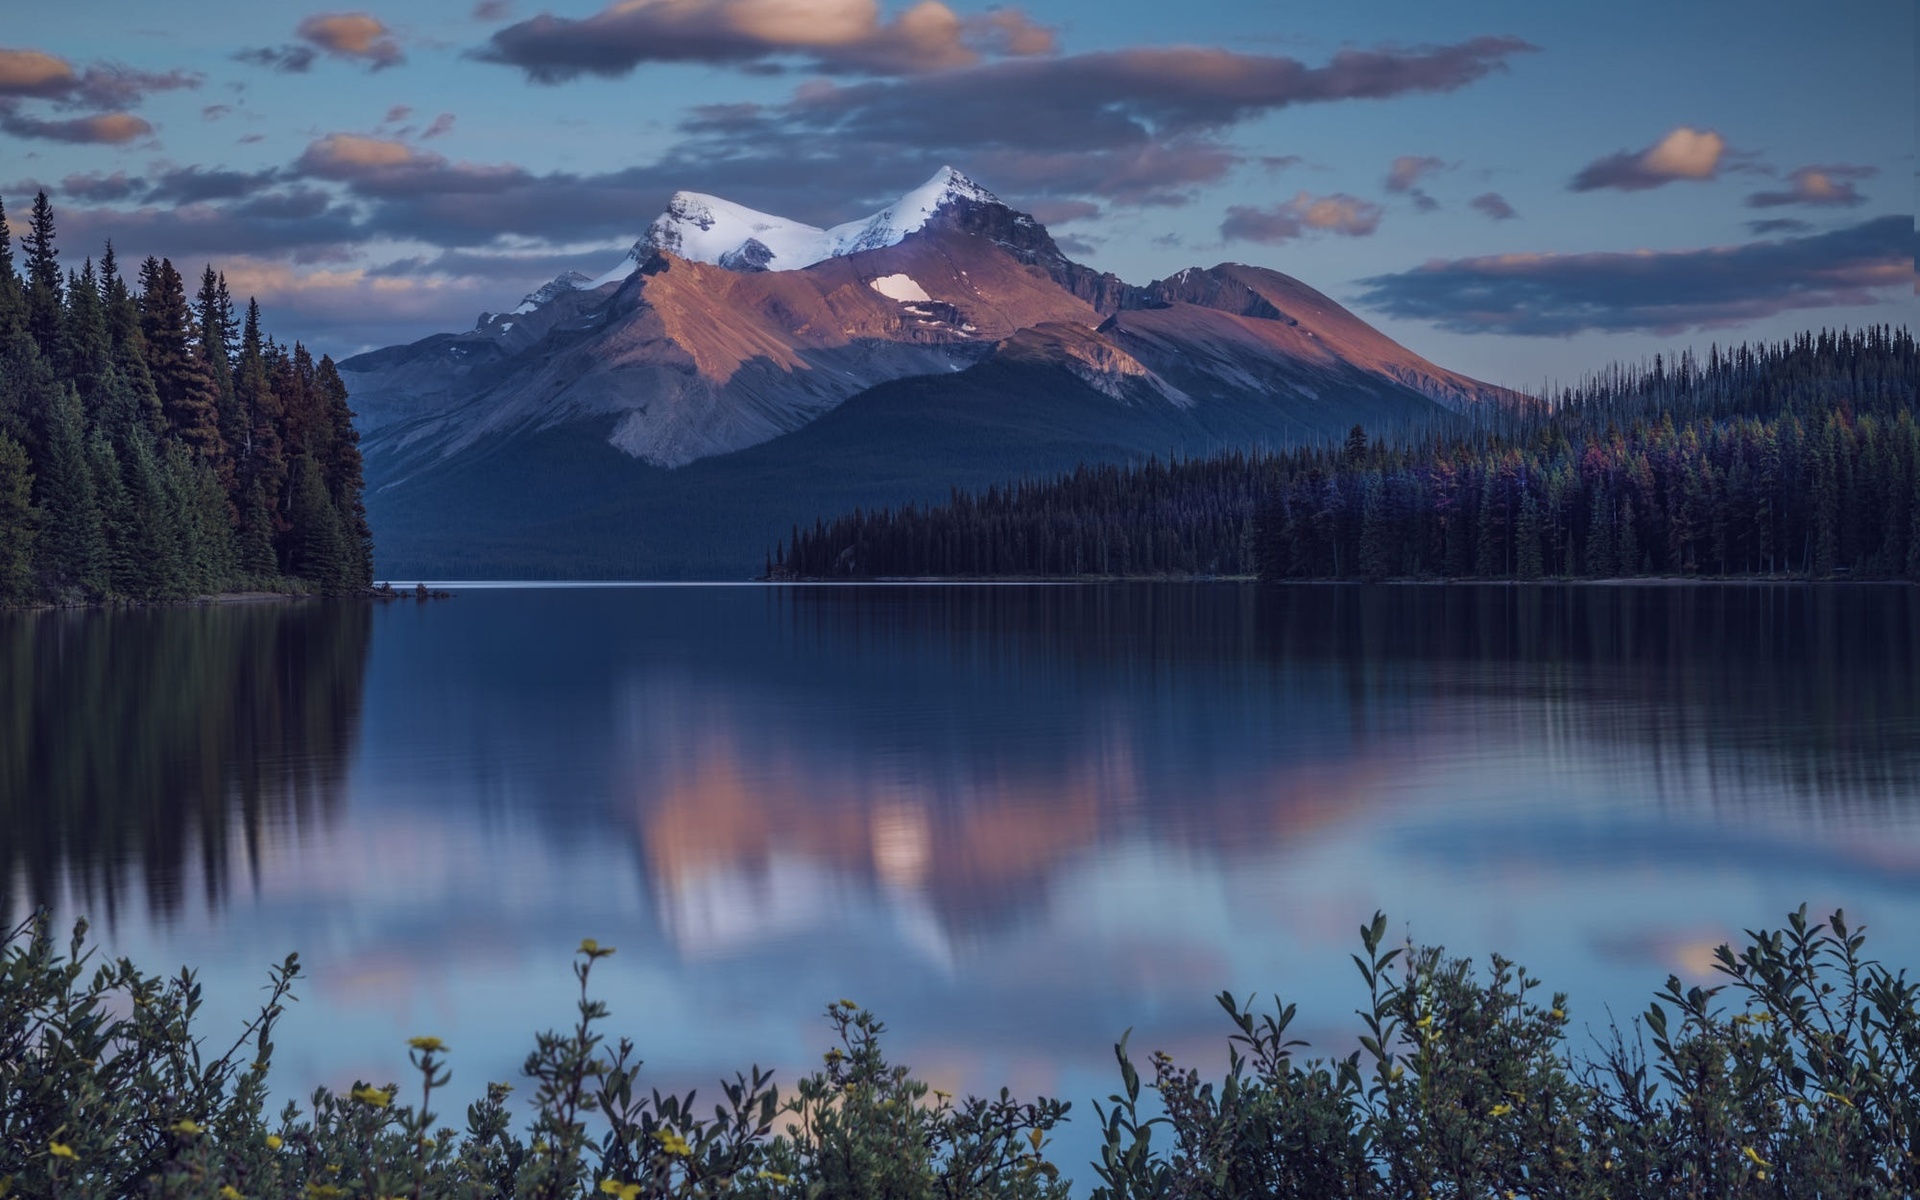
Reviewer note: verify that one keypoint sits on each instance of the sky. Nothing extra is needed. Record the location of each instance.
(1520, 191)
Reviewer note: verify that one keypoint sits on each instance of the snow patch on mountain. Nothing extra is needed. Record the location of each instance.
(904, 288)
(708, 229)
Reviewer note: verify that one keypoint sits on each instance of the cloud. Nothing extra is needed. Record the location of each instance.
(352, 35)
(290, 60)
(1407, 169)
(442, 124)
(36, 75)
(1339, 213)
(384, 167)
(1823, 186)
(1684, 153)
(1494, 205)
(1779, 225)
(493, 10)
(831, 35)
(110, 129)
(1665, 292)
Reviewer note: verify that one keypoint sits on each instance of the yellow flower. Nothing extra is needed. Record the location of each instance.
(1425, 1021)
(1500, 1110)
(186, 1128)
(230, 1192)
(373, 1096)
(613, 1187)
(775, 1177)
(672, 1143)
(593, 949)
(61, 1150)
(847, 1004)
(274, 1142)
(1559, 1014)
(428, 1045)
(1753, 1156)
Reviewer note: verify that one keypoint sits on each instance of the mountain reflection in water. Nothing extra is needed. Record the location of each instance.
(1015, 821)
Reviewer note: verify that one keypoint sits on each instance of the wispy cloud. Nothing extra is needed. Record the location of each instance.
(1493, 205)
(1664, 292)
(352, 36)
(1339, 213)
(1683, 154)
(1828, 186)
(830, 35)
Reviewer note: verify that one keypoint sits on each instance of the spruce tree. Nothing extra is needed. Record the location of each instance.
(86, 351)
(343, 470)
(181, 377)
(135, 399)
(18, 523)
(43, 278)
(73, 550)
(13, 304)
(320, 553)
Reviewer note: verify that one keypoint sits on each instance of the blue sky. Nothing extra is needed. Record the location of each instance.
(1518, 191)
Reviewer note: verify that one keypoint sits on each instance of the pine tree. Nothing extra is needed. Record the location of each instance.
(43, 279)
(134, 400)
(343, 471)
(18, 523)
(321, 555)
(13, 304)
(180, 373)
(1527, 533)
(120, 563)
(73, 549)
(86, 352)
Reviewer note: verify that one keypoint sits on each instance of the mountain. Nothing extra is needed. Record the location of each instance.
(738, 372)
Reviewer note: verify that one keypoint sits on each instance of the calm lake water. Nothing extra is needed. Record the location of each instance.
(1014, 821)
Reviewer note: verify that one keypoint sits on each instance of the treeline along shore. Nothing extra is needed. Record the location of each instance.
(155, 447)
(1799, 458)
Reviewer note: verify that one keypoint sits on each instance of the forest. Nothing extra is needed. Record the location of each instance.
(1799, 458)
(156, 447)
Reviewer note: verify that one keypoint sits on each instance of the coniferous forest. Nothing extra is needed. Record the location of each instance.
(156, 445)
(1800, 458)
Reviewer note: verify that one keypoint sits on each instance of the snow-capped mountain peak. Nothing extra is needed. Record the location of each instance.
(709, 229)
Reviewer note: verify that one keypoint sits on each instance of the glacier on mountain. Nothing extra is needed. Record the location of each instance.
(708, 229)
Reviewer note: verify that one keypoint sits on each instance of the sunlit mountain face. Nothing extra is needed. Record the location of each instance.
(1016, 821)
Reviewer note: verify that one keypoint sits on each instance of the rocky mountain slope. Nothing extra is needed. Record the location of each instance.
(726, 334)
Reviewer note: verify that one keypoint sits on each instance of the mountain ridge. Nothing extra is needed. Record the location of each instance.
(706, 348)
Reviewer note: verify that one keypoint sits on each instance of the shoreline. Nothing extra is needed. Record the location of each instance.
(1612, 581)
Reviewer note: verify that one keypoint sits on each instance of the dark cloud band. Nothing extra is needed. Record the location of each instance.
(1666, 292)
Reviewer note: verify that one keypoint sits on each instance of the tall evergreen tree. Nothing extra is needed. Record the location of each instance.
(73, 550)
(86, 351)
(181, 377)
(343, 471)
(43, 293)
(13, 305)
(134, 401)
(18, 523)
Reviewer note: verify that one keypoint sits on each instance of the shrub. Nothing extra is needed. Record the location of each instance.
(1462, 1086)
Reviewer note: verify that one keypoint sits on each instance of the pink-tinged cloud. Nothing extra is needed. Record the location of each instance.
(110, 129)
(1407, 169)
(1665, 292)
(1493, 205)
(27, 74)
(1348, 216)
(383, 167)
(1827, 186)
(354, 35)
(34, 73)
(1683, 154)
(833, 35)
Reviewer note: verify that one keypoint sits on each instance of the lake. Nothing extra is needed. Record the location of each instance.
(1015, 821)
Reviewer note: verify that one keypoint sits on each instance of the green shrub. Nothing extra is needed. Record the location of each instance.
(1463, 1085)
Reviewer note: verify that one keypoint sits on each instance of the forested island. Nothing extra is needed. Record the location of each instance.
(154, 447)
(1799, 458)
